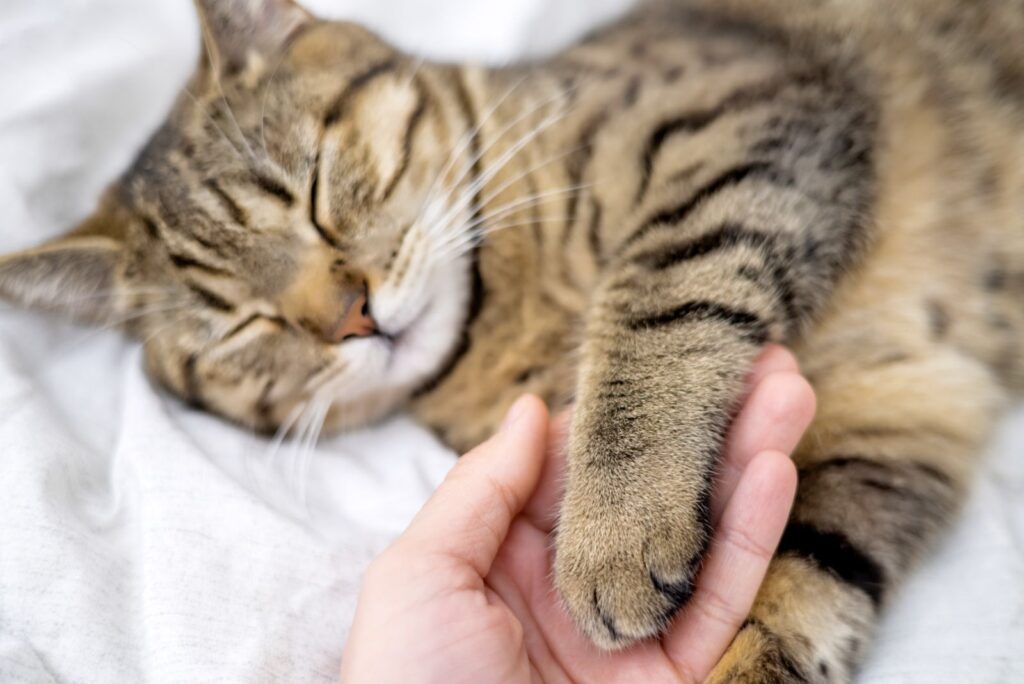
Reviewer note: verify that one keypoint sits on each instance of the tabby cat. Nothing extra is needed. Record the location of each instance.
(328, 230)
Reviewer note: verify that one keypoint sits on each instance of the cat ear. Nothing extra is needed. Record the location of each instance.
(235, 29)
(76, 277)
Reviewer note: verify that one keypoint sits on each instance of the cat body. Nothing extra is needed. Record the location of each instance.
(340, 231)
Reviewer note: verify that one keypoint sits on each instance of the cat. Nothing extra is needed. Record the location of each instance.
(326, 229)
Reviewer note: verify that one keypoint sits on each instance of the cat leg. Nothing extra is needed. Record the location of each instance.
(882, 471)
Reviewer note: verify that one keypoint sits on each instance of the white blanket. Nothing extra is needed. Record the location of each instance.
(140, 541)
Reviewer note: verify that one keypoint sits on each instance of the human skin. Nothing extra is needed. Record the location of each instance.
(465, 594)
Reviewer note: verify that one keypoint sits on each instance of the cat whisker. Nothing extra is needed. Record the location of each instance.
(468, 194)
(511, 125)
(498, 165)
(455, 250)
(484, 201)
(456, 228)
(308, 452)
(472, 232)
(216, 125)
(467, 138)
(415, 71)
(224, 97)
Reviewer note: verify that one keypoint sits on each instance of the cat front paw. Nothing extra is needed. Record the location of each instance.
(625, 563)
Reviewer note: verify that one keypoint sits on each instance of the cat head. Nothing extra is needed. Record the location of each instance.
(281, 245)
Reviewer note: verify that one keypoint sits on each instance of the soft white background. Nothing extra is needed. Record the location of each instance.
(140, 541)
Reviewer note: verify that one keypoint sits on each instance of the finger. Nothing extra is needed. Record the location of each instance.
(541, 510)
(736, 564)
(774, 418)
(468, 516)
(773, 358)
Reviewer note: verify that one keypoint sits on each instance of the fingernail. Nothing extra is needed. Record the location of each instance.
(514, 414)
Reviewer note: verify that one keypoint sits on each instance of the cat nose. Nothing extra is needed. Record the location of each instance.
(355, 321)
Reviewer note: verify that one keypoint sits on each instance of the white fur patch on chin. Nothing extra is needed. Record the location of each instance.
(422, 347)
(422, 313)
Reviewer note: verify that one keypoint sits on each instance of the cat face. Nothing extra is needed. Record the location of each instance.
(285, 245)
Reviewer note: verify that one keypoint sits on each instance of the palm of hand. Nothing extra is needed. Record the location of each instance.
(466, 594)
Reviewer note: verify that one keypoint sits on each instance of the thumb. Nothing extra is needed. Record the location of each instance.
(469, 515)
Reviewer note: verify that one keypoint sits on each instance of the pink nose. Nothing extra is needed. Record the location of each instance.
(355, 322)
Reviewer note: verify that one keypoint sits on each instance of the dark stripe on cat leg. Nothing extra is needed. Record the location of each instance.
(355, 84)
(407, 141)
(751, 327)
(834, 553)
(725, 236)
(775, 280)
(726, 179)
(238, 215)
(694, 122)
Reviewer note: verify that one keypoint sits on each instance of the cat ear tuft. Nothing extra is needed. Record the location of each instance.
(76, 277)
(233, 30)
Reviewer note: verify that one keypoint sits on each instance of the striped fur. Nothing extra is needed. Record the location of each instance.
(622, 226)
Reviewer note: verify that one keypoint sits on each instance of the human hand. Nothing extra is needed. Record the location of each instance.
(465, 594)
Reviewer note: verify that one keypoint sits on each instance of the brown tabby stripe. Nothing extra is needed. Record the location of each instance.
(249, 321)
(211, 299)
(731, 177)
(775, 280)
(750, 325)
(151, 227)
(185, 262)
(576, 166)
(835, 554)
(337, 110)
(847, 461)
(578, 162)
(275, 189)
(407, 141)
(693, 122)
(725, 237)
(238, 215)
(187, 230)
(314, 191)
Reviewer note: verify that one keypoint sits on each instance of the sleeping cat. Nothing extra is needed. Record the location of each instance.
(328, 230)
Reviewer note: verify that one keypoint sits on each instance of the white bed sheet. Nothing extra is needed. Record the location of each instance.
(140, 541)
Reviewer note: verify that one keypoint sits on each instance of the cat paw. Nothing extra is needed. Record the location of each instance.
(623, 575)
